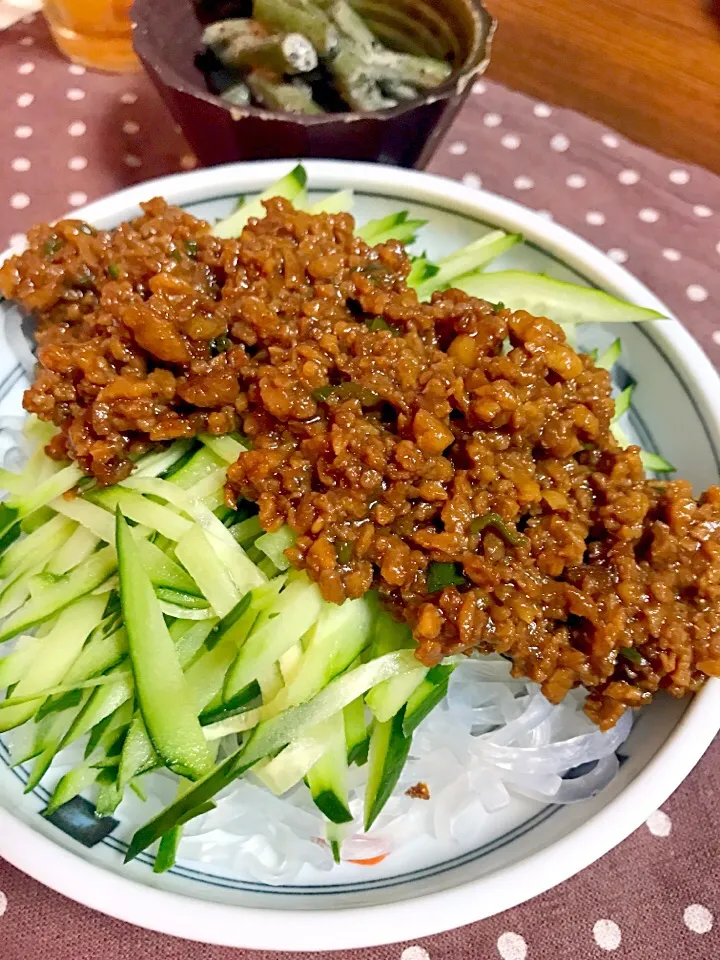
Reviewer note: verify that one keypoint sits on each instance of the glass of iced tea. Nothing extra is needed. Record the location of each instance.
(95, 33)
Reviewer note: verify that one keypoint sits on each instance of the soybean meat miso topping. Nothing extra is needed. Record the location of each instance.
(453, 455)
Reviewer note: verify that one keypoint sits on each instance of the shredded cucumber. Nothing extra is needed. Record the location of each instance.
(58, 651)
(545, 297)
(396, 226)
(226, 448)
(78, 583)
(42, 542)
(274, 545)
(161, 688)
(608, 359)
(291, 187)
(269, 738)
(284, 622)
(296, 760)
(461, 267)
(340, 202)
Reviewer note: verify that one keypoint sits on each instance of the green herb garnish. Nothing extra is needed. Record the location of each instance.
(113, 271)
(510, 536)
(344, 550)
(379, 323)
(220, 345)
(175, 254)
(52, 245)
(323, 393)
(630, 653)
(441, 575)
(191, 248)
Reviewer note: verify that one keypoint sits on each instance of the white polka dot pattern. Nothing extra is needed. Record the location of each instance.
(595, 218)
(672, 255)
(696, 293)
(77, 129)
(698, 918)
(459, 148)
(649, 215)
(607, 935)
(523, 183)
(492, 119)
(618, 254)
(511, 946)
(700, 210)
(472, 180)
(21, 164)
(511, 141)
(679, 177)
(629, 177)
(576, 181)
(3, 904)
(414, 953)
(659, 824)
(559, 143)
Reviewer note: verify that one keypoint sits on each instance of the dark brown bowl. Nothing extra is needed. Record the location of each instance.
(168, 37)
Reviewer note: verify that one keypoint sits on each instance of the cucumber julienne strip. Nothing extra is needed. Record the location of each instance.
(79, 582)
(53, 487)
(340, 202)
(608, 359)
(291, 187)
(560, 301)
(40, 543)
(296, 760)
(59, 649)
(161, 689)
(467, 262)
(226, 448)
(42, 694)
(78, 547)
(389, 749)
(622, 403)
(244, 573)
(270, 737)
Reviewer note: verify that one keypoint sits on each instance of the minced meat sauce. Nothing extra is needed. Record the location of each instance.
(453, 455)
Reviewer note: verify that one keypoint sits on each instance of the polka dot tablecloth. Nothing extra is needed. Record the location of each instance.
(68, 136)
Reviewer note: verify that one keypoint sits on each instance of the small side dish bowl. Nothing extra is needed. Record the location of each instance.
(168, 37)
(441, 881)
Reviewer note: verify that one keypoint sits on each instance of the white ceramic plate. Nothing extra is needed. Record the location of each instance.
(515, 855)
